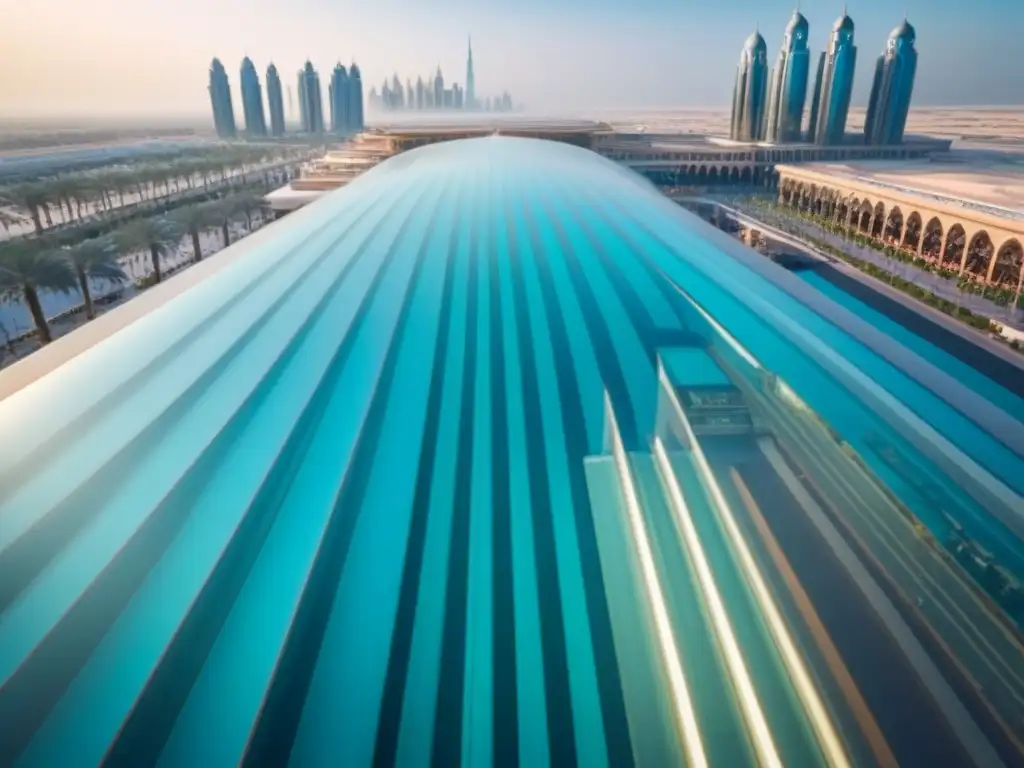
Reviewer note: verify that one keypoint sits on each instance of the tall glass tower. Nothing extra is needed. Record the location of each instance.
(470, 100)
(832, 90)
(220, 99)
(252, 100)
(892, 88)
(438, 90)
(337, 97)
(748, 99)
(311, 103)
(275, 102)
(355, 99)
(788, 91)
(397, 93)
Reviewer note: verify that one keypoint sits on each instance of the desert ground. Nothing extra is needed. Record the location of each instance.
(974, 126)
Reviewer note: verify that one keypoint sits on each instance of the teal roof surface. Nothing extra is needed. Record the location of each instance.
(349, 497)
(692, 367)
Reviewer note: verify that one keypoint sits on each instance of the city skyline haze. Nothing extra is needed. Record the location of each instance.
(108, 58)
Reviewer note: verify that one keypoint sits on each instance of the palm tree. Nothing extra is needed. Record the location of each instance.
(225, 212)
(28, 196)
(247, 203)
(25, 270)
(196, 218)
(94, 259)
(159, 234)
(9, 218)
(65, 190)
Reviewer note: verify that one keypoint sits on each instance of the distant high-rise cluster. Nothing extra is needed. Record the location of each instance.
(770, 107)
(345, 99)
(430, 93)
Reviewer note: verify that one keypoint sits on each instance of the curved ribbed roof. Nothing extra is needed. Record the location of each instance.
(344, 491)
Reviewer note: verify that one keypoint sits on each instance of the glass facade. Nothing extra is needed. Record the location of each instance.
(252, 100)
(275, 101)
(338, 97)
(355, 99)
(788, 91)
(311, 103)
(494, 456)
(750, 97)
(220, 100)
(892, 88)
(835, 85)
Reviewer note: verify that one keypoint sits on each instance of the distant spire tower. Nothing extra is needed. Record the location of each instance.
(470, 79)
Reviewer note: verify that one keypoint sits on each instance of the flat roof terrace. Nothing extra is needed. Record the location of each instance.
(985, 184)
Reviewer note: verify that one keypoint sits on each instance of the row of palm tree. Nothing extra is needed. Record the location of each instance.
(29, 268)
(100, 193)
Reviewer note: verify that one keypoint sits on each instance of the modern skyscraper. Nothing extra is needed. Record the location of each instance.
(419, 93)
(355, 99)
(310, 100)
(892, 88)
(397, 93)
(470, 100)
(275, 102)
(457, 97)
(438, 89)
(220, 99)
(819, 76)
(252, 100)
(385, 95)
(337, 96)
(748, 100)
(788, 91)
(834, 85)
(428, 95)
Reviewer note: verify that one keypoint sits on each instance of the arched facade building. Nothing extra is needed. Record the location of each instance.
(977, 241)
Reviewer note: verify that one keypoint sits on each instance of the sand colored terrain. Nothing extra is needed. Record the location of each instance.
(996, 127)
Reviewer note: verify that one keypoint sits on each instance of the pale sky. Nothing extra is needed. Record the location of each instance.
(150, 57)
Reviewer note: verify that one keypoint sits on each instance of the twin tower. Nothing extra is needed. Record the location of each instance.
(771, 108)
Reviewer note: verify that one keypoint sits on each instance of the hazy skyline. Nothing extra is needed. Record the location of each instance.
(151, 57)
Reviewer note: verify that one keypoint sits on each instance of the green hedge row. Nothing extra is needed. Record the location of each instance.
(915, 291)
(999, 296)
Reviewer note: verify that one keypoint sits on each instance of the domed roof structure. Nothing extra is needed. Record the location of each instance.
(903, 31)
(755, 43)
(843, 23)
(797, 22)
(410, 476)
